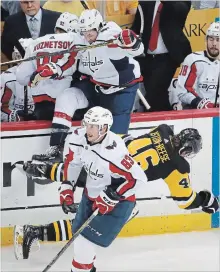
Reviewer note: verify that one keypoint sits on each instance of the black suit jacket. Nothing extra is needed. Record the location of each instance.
(16, 27)
(172, 21)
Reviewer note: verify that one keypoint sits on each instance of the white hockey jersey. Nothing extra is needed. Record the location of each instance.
(198, 77)
(110, 65)
(49, 44)
(12, 94)
(106, 163)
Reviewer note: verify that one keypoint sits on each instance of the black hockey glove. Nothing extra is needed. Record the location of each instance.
(210, 203)
(39, 170)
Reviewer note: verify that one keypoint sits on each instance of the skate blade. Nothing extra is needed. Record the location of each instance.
(18, 240)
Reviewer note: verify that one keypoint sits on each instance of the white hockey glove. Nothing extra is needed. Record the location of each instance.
(177, 106)
(210, 203)
(127, 39)
(14, 116)
(50, 70)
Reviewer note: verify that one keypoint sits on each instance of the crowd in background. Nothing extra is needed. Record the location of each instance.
(163, 23)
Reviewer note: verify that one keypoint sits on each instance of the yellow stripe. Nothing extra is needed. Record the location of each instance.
(53, 171)
(166, 224)
(188, 203)
(69, 228)
(142, 226)
(57, 231)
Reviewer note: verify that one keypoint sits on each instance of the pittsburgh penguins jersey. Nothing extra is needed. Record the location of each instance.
(12, 95)
(156, 156)
(67, 62)
(198, 77)
(106, 163)
(110, 65)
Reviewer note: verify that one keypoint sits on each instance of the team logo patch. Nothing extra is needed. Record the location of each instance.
(109, 147)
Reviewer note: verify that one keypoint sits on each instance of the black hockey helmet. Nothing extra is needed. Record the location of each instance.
(188, 142)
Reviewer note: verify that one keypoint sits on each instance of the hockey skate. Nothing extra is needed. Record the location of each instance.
(26, 240)
(53, 154)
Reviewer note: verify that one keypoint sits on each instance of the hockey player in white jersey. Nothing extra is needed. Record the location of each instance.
(112, 82)
(13, 94)
(113, 177)
(50, 75)
(197, 85)
(114, 75)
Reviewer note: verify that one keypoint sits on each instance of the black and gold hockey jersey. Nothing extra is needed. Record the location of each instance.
(157, 157)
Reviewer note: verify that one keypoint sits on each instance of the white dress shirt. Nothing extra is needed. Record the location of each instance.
(161, 47)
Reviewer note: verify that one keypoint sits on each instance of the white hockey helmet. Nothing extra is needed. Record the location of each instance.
(213, 30)
(68, 22)
(90, 19)
(24, 43)
(98, 116)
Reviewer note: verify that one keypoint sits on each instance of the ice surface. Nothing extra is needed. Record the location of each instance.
(191, 251)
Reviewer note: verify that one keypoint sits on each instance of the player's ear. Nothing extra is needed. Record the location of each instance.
(104, 129)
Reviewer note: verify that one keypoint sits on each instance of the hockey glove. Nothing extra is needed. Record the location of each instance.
(106, 201)
(66, 191)
(50, 70)
(127, 39)
(201, 103)
(210, 203)
(39, 170)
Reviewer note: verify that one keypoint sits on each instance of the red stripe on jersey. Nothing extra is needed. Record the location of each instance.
(62, 115)
(5, 100)
(140, 79)
(71, 60)
(191, 80)
(82, 266)
(68, 159)
(43, 97)
(130, 181)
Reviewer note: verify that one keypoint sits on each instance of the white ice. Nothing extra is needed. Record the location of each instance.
(191, 251)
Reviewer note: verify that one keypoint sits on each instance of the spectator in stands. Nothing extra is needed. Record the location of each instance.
(72, 6)
(165, 44)
(113, 8)
(198, 80)
(32, 21)
(205, 4)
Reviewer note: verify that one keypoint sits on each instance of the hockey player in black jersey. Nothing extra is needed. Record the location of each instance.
(161, 154)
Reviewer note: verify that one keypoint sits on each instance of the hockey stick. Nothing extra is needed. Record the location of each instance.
(84, 4)
(217, 93)
(25, 103)
(75, 235)
(66, 51)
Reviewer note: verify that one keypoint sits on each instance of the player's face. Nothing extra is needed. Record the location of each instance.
(30, 8)
(90, 35)
(59, 31)
(93, 133)
(213, 46)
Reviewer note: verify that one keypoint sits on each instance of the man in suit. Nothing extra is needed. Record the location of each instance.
(31, 22)
(165, 44)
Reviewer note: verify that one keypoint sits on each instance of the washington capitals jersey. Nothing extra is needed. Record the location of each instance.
(110, 65)
(12, 94)
(156, 156)
(106, 163)
(198, 77)
(50, 43)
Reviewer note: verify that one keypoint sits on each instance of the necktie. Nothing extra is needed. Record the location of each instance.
(33, 28)
(155, 30)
